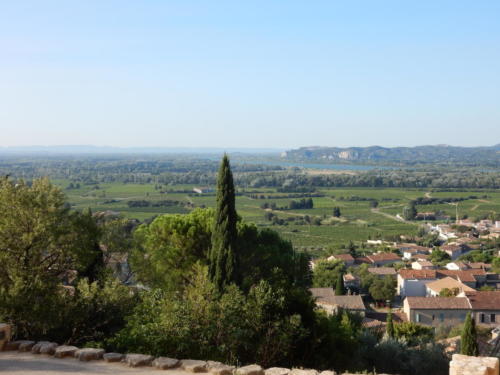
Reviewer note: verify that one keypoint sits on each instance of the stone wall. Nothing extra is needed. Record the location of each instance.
(465, 365)
(135, 360)
(460, 364)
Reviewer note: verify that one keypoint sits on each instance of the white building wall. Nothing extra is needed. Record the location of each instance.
(413, 287)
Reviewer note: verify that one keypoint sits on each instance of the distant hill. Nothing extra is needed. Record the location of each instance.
(397, 155)
(90, 149)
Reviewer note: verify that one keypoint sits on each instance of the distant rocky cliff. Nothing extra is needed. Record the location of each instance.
(408, 155)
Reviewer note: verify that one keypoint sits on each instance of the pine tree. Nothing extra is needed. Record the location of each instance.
(339, 285)
(468, 341)
(222, 257)
(389, 328)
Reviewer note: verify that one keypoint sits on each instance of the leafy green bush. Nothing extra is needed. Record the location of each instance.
(200, 323)
(413, 333)
(326, 273)
(44, 245)
(395, 356)
(96, 311)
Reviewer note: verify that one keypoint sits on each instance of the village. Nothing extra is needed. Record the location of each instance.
(432, 286)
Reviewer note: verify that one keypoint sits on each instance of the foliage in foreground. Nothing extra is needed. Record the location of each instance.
(200, 323)
(395, 356)
(269, 318)
(44, 245)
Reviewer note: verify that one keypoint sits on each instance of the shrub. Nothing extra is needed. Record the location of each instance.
(201, 323)
(413, 333)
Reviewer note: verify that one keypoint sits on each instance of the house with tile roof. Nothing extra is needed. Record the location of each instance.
(382, 259)
(474, 278)
(454, 250)
(435, 311)
(412, 283)
(422, 265)
(322, 293)
(411, 250)
(346, 258)
(479, 266)
(485, 306)
(445, 231)
(434, 288)
(327, 300)
(382, 271)
(457, 266)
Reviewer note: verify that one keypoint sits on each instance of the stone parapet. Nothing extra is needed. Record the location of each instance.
(466, 365)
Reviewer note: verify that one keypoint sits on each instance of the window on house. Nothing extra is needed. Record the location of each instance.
(417, 318)
(492, 318)
(441, 317)
(482, 318)
(433, 317)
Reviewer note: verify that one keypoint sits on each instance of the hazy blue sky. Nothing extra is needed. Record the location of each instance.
(249, 73)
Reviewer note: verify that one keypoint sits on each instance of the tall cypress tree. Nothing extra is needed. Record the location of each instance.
(389, 328)
(468, 340)
(222, 257)
(339, 285)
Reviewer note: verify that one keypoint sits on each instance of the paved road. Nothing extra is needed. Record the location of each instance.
(38, 364)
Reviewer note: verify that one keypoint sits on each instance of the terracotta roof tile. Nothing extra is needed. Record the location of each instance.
(344, 257)
(412, 248)
(479, 265)
(322, 293)
(488, 300)
(448, 282)
(382, 270)
(418, 274)
(383, 257)
(326, 296)
(464, 275)
(349, 302)
(438, 303)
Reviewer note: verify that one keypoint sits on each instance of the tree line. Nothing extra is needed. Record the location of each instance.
(172, 170)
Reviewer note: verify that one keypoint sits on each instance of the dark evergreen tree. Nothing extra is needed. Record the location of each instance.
(352, 249)
(90, 234)
(389, 328)
(468, 340)
(410, 211)
(222, 257)
(310, 203)
(339, 285)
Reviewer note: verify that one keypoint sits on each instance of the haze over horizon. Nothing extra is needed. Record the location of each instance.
(249, 75)
(188, 149)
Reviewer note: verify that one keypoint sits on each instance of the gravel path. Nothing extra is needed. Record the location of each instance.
(38, 364)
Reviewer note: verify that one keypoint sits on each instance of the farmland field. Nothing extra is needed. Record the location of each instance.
(358, 221)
